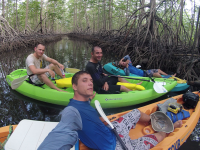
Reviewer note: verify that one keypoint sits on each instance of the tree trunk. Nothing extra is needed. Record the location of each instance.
(110, 14)
(142, 11)
(98, 23)
(180, 18)
(3, 9)
(104, 14)
(41, 17)
(26, 20)
(86, 16)
(75, 14)
(16, 17)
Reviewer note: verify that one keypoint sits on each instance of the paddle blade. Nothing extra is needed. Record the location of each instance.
(17, 82)
(101, 112)
(72, 70)
(159, 88)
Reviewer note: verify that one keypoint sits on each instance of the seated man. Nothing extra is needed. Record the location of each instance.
(39, 75)
(101, 80)
(126, 64)
(94, 134)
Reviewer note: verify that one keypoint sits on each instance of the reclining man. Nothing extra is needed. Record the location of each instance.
(39, 75)
(126, 64)
(91, 130)
(102, 82)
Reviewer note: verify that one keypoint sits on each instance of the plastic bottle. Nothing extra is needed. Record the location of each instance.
(63, 73)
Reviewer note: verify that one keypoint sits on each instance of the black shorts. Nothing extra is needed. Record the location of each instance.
(113, 88)
(112, 81)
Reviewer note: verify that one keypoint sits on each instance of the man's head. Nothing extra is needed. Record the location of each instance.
(123, 64)
(96, 54)
(39, 50)
(82, 84)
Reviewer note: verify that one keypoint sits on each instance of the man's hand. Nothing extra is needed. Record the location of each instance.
(61, 66)
(91, 97)
(127, 65)
(105, 86)
(51, 73)
(104, 74)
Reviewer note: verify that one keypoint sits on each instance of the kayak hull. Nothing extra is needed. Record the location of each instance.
(117, 71)
(174, 140)
(123, 99)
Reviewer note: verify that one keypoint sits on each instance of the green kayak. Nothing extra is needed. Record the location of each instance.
(123, 99)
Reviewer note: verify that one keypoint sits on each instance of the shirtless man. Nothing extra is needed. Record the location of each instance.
(39, 75)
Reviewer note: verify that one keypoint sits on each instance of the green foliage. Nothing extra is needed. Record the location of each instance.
(73, 14)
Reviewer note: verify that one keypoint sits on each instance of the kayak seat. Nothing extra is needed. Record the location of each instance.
(30, 82)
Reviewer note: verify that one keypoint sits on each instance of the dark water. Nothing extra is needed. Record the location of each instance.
(73, 54)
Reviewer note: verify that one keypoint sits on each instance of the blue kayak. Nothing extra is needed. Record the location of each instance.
(110, 68)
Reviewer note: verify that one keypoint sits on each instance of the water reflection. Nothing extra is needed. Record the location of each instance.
(13, 106)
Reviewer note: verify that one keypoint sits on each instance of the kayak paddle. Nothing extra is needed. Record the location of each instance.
(101, 112)
(157, 85)
(17, 82)
(72, 70)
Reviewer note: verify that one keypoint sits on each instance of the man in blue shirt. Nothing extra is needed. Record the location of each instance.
(95, 134)
(128, 67)
(91, 130)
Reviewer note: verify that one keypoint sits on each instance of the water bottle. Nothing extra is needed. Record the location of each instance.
(63, 73)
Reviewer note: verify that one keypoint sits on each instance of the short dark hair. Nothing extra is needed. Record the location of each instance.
(95, 47)
(77, 75)
(39, 44)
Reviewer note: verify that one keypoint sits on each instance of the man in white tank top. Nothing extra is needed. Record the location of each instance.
(38, 74)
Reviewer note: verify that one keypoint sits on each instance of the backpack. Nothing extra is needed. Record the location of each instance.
(190, 100)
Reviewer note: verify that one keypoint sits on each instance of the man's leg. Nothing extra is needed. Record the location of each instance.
(124, 89)
(122, 80)
(149, 141)
(157, 75)
(162, 72)
(56, 69)
(123, 125)
(112, 85)
(161, 135)
(45, 79)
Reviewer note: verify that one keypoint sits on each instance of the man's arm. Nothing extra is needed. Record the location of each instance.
(127, 72)
(64, 135)
(55, 62)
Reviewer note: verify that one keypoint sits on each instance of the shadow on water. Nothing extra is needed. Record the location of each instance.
(73, 54)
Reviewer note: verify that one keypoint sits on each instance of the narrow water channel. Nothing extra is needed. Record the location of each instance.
(73, 54)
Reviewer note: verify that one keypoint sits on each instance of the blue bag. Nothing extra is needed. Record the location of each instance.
(179, 116)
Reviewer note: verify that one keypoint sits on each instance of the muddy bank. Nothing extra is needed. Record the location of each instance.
(22, 41)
